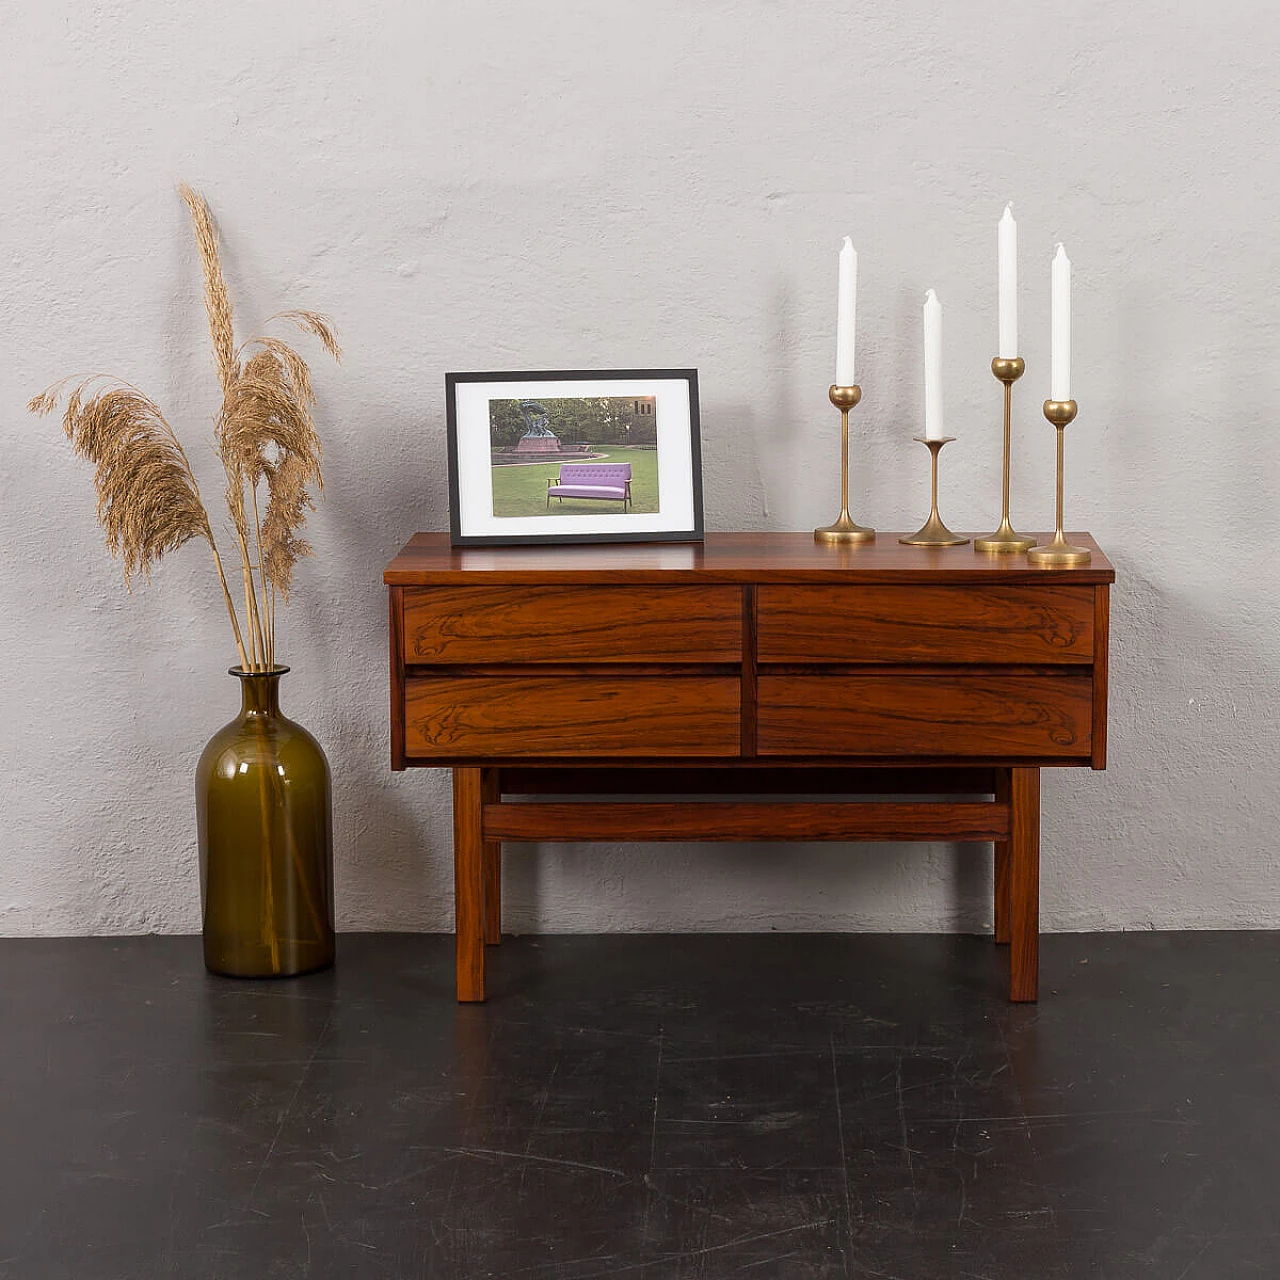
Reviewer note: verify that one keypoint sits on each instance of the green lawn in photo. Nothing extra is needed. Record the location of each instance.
(521, 490)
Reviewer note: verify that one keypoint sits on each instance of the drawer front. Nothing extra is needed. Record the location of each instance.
(935, 716)
(537, 717)
(897, 624)
(572, 624)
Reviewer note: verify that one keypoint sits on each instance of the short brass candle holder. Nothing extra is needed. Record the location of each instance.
(1059, 553)
(1008, 369)
(844, 529)
(933, 533)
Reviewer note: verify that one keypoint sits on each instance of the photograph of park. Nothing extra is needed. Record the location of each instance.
(574, 456)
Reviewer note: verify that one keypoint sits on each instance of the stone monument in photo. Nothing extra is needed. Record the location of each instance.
(538, 436)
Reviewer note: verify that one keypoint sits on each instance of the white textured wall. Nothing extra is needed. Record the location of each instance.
(517, 185)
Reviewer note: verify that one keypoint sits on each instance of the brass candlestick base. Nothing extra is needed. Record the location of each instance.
(1005, 540)
(933, 533)
(844, 529)
(1059, 553)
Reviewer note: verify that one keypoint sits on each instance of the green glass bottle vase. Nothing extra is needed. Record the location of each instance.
(266, 841)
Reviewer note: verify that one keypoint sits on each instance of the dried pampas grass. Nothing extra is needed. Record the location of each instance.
(217, 301)
(148, 501)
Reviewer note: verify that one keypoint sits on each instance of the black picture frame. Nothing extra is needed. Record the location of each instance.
(465, 516)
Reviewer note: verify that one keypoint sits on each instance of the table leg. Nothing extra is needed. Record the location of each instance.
(468, 886)
(1001, 930)
(490, 793)
(1024, 885)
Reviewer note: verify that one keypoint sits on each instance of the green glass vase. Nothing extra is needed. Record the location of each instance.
(266, 841)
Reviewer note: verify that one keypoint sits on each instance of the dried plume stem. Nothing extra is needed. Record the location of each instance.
(217, 302)
(265, 435)
(148, 500)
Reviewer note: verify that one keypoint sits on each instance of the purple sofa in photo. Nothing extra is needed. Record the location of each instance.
(608, 480)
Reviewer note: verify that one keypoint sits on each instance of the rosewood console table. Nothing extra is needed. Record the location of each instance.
(748, 666)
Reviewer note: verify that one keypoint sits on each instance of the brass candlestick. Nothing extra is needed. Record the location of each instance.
(1059, 552)
(933, 533)
(1005, 540)
(844, 529)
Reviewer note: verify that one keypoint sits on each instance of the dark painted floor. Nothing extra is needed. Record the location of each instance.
(651, 1107)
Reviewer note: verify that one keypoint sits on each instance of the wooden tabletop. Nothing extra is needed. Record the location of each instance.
(427, 559)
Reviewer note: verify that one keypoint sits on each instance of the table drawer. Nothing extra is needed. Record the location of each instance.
(933, 624)
(935, 716)
(572, 624)
(550, 717)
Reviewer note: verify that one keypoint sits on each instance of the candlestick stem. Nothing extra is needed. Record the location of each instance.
(1061, 468)
(1005, 541)
(933, 533)
(1059, 553)
(844, 529)
(1008, 419)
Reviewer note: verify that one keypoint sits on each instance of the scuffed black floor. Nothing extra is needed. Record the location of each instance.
(653, 1107)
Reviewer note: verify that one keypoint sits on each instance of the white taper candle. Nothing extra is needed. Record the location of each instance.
(932, 366)
(1060, 327)
(846, 314)
(1007, 241)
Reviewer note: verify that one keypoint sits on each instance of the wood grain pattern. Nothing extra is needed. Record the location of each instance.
(428, 559)
(468, 887)
(572, 670)
(527, 717)
(743, 820)
(491, 793)
(953, 715)
(585, 625)
(749, 672)
(1002, 669)
(395, 632)
(1024, 885)
(1102, 646)
(676, 763)
(962, 623)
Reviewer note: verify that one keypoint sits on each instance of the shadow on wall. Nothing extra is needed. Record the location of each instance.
(756, 887)
(778, 450)
(1178, 833)
(734, 493)
(98, 722)
(392, 831)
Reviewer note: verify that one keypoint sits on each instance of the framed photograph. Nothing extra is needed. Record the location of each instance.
(573, 456)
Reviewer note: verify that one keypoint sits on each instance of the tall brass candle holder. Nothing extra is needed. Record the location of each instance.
(1005, 540)
(933, 533)
(1059, 552)
(844, 529)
